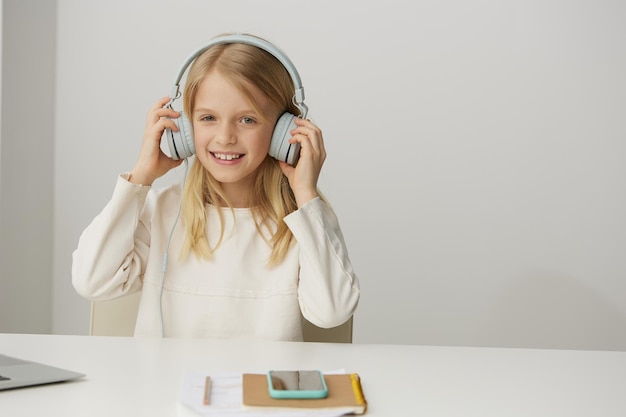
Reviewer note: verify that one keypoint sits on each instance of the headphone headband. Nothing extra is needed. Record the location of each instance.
(298, 98)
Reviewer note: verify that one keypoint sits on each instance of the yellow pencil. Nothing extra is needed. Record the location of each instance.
(207, 390)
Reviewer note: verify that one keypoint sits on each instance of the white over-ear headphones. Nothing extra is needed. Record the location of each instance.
(181, 144)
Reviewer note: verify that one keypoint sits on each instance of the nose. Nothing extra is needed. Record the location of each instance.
(225, 134)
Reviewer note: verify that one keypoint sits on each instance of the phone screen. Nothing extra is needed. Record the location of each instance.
(297, 381)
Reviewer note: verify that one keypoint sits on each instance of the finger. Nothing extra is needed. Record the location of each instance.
(163, 101)
(155, 131)
(159, 104)
(308, 128)
(163, 116)
(304, 122)
(287, 169)
(158, 110)
(307, 124)
(168, 114)
(309, 140)
(306, 145)
(168, 123)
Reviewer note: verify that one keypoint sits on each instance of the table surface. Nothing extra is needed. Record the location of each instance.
(142, 377)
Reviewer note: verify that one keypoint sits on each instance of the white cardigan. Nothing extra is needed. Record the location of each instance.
(234, 295)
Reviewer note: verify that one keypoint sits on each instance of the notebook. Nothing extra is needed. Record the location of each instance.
(344, 394)
(17, 373)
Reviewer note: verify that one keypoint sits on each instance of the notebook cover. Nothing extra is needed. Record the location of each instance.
(344, 391)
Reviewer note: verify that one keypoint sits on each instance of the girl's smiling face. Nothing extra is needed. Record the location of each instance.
(231, 138)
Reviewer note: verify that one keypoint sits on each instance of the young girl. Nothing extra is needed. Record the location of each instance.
(255, 249)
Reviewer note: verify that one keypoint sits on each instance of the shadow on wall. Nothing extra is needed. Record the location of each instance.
(555, 312)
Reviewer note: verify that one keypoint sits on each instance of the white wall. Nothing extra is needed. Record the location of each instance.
(1, 31)
(475, 151)
(26, 165)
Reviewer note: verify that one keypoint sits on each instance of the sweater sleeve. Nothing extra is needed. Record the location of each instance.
(328, 288)
(112, 251)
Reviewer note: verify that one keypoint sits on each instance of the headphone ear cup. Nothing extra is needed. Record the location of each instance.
(280, 148)
(180, 143)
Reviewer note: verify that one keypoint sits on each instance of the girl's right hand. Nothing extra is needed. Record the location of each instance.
(152, 162)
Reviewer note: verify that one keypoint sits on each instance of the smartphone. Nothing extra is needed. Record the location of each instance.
(297, 384)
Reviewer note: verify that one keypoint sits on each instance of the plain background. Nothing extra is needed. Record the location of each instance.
(476, 153)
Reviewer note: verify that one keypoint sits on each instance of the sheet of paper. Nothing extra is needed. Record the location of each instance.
(226, 398)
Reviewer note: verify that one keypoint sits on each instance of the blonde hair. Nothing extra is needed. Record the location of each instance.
(272, 198)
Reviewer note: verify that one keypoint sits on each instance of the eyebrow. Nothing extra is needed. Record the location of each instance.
(202, 110)
(249, 110)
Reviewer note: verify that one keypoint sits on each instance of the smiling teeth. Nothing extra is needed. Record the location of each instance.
(226, 157)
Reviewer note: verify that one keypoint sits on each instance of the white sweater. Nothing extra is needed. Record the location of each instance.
(234, 295)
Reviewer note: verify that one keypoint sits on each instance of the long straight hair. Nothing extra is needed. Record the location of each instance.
(272, 198)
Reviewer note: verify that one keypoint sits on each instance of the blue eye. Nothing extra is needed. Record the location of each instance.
(248, 120)
(207, 118)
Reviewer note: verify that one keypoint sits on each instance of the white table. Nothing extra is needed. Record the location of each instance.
(142, 377)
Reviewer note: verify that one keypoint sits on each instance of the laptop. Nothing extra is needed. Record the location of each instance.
(17, 373)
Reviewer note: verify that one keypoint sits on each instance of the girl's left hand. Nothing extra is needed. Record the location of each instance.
(303, 177)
